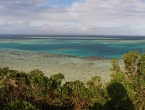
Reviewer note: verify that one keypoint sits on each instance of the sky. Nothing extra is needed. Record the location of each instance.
(72, 17)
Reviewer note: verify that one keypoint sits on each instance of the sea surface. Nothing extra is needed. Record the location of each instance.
(79, 46)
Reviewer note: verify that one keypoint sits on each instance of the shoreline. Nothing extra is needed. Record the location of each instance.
(73, 68)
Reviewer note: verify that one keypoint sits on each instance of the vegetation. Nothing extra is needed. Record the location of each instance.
(34, 91)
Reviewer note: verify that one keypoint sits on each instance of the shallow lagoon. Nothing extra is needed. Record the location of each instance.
(77, 59)
(79, 47)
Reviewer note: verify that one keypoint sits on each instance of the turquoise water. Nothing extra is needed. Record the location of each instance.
(106, 47)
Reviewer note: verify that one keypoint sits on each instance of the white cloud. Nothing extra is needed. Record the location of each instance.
(123, 17)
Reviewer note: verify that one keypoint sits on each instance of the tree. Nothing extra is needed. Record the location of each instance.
(20, 105)
(130, 61)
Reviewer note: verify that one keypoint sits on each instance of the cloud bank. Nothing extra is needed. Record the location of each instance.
(95, 17)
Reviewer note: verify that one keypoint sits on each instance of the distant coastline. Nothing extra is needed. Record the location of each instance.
(100, 37)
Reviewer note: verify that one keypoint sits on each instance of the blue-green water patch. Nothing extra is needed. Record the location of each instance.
(76, 47)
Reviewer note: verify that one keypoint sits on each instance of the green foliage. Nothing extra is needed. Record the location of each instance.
(57, 79)
(119, 99)
(39, 86)
(95, 81)
(130, 61)
(37, 72)
(115, 66)
(20, 105)
(98, 95)
(79, 94)
(4, 71)
(141, 64)
(134, 80)
(125, 90)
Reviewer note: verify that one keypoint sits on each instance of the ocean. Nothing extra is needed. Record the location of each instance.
(78, 46)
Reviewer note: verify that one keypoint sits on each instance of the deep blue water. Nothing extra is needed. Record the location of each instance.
(81, 46)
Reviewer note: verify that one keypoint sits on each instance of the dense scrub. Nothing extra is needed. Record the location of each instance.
(34, 91)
